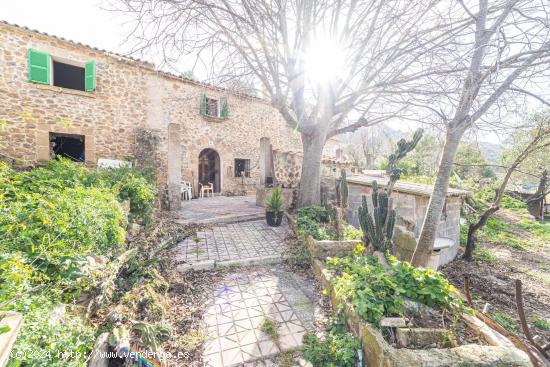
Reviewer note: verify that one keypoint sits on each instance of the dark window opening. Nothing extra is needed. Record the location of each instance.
(68, 146)
(212, 107)
(242, 167)
(68, 76)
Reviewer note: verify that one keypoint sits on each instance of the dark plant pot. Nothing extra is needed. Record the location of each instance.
(274, 219)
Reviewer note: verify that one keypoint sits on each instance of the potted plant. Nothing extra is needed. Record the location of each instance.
(274, 203)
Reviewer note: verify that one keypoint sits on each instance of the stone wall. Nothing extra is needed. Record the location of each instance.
(411, 210)
(288, 166)
(107, 118)
(130, 96)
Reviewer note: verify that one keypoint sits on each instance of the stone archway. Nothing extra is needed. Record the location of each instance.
(210, 168)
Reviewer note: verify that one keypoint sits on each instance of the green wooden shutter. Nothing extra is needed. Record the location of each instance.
(224, 112)
(89, 76)
(203, 105)
(39, 67)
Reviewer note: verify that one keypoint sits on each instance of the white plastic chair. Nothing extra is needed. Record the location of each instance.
(186, 190)
(207, 188)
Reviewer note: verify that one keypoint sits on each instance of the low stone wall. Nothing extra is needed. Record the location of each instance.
(14, 321)
(379, 353)
(324, 249)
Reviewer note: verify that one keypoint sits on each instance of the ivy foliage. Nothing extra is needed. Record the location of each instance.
(375, 293)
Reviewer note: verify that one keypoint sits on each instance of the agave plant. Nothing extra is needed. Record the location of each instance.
(274, 201)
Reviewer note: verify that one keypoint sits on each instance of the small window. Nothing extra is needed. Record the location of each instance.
(242, 167)
(68, 76)
(45, 69)
(68, 146)
(212, 107)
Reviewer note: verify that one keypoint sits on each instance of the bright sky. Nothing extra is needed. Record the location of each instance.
(84, 21)
(79, 20)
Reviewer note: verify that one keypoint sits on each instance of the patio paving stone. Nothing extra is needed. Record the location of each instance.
(238, 307)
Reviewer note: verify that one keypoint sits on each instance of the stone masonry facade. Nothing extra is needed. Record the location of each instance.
(130, 95)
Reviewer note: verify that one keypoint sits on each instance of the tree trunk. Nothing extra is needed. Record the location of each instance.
(473, 228)
(426, 241)
(495, 206)
(310, 180)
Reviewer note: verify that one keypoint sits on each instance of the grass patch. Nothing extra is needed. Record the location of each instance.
(542, 324)
(499, 232)
(541, 230)
(505, 320)
(484, 254)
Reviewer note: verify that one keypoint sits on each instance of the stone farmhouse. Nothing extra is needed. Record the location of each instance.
(59, 97)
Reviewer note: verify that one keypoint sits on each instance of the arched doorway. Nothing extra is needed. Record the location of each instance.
(209, 168)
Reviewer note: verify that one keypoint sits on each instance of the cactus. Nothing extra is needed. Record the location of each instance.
(336, 221)
(378, 227)
(403, 147)
(343, 189)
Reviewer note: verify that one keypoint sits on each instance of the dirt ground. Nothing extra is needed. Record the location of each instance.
(494, 282)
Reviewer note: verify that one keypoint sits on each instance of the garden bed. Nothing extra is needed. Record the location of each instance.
(473, 343)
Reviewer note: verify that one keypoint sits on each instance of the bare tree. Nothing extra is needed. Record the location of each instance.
(488, 66)
(328, 66)
(538, 141)
(372, 141)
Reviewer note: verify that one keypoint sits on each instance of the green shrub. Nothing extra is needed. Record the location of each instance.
(307, 226)
(505, 320)
(44, 343)
(338, 349)
(132, 185)
(57, 230)
(375, 293)
(51, 218)
(353, 233)
(315, 213)
(364, 283)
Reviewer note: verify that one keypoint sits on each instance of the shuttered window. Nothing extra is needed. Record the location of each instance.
(39, 67)
(66, 75)
(213, 107)
(89, 76)
(224, 108)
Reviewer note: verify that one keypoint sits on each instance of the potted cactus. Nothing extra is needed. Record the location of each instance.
(274, 203)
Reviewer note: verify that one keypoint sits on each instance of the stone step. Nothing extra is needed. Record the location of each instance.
(228, 219)
(214, 264)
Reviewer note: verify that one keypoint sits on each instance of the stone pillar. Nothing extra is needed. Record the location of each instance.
(174, 166)
(265, 154)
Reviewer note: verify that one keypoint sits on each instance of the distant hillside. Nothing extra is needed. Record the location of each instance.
(491, 151)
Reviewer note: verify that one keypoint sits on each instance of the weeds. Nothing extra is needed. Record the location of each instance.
(270, 328)
(542, 324)
(505, 320)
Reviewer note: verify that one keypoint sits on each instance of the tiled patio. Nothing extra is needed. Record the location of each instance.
(237, 241)
(238, 307)
(220, 209)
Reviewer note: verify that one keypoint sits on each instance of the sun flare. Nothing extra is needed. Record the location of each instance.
(324, 61)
